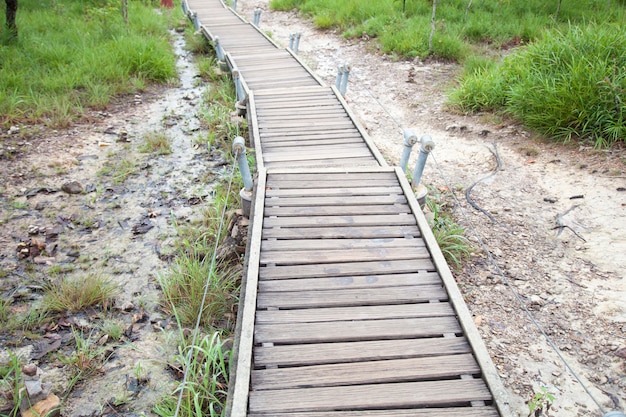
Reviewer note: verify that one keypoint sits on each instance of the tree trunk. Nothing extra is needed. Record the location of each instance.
(11, 14)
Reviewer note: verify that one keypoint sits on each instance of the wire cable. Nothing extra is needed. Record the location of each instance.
(507, 282)
(206, 290)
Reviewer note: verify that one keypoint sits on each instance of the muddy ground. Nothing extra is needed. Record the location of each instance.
(571, 279)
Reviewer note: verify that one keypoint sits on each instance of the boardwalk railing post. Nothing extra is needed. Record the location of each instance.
(427, 145)
(239, 149)
(291, 39)
(185, 7)
(344, 81)
(219, 51)
(235, 5)
(196, 22)
(257, 16)
(238, 87)
(340, 70)
(296, 45)
(410, 139)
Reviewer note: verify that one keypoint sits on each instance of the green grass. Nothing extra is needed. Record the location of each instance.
(567, 85)
(458, 30)
(74, 55)
(156, 143)
(449, 235)
(76, 294)
(207, 384)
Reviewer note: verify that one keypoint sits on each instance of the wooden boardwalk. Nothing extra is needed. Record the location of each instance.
(348, 307)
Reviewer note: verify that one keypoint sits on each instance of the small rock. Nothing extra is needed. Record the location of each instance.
(33, 388)
(30, 369)
(13, 130)
(50, 407)
(621, 352)
(128, 307)
(73, 187)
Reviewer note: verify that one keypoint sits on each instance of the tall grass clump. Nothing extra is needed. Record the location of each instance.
(403, 27)
(568, 85)
(74, 55)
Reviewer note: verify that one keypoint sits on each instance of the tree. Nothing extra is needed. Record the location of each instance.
(11, 13)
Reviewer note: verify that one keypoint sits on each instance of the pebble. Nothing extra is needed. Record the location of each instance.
(73, 187)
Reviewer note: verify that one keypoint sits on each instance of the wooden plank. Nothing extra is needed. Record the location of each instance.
(481, 411)
(364, 190)
(329, 221)
(288, 112)
(304, 144)
(313, 315)
(325, 182)
(315, 244)
(321, 256)
(381, 232)
(324, 163)
(292, 155)
(331, 175)
(351, 297)
(375, 396)
(335, 201)
(290, 133)
(364, 281)
(320, 353)
(337, 210)
(374, 372)
(346, 269)
(347, 331)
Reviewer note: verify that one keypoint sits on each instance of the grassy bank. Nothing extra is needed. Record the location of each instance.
(74, 55)
(462, 27)
(568, 85)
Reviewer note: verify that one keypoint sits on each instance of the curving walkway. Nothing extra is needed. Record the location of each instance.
(348, 307)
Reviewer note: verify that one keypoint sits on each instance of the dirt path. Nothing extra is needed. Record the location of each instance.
(570, 279)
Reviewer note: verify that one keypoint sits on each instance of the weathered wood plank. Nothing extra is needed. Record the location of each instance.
(322, 182)
(482, 411)
(337, 210)
(324, 163)
(364, 190)
(376, 396)
(291, 133)
(324, 256)
(351, 297)
(313, 315)
(308, 145)
(363, 281)
(346, 269)
(381, 232)
(313, 244)
(335, 201)
(330, 221)
(293, 155)
(348, 331)
(375, 372)
(342, 352)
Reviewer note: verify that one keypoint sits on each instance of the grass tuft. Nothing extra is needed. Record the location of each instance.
(76, 294)
(156, 143)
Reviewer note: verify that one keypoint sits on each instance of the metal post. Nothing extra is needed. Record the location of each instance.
(219, 51)
(235, 5)
(427, 145)
(291, 38)
(196, 22)
(184, 5)
(238, 86)
(344, 80)
(257, 16)
(410, 139)
(297, 43)
(239, 149)
(339, 76)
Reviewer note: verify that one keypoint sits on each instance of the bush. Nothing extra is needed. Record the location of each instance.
(567, 85)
